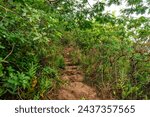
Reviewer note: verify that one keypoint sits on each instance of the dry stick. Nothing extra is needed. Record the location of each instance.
(9, 53)
(6, 9)
(19, 94)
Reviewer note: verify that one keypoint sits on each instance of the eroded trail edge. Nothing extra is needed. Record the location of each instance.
(74, 87)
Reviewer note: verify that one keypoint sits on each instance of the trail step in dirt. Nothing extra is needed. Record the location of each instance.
(75, 89)
(71, 67)
(72, 72)
(73, 78)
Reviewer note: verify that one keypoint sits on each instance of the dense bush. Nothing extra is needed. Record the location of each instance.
(28, 39)
(110, 57)
(112, 51)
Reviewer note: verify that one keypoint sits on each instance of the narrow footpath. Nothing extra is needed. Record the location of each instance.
(74, 87)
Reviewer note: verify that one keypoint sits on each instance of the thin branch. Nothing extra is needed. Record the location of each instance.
(9, 53)
(89, 4)
(19, 94)
(6, 9)
(11, 11)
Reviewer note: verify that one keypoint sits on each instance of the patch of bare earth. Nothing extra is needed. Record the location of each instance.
(74, 87)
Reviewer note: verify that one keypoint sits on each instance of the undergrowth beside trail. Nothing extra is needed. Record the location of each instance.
(113, 52)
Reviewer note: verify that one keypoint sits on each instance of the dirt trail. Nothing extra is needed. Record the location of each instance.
(74, 88)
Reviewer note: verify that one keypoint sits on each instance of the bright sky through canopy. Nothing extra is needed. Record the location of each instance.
(112, 9)
(116, 9)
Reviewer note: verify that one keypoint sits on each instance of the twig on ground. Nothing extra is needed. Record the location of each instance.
(10, 52)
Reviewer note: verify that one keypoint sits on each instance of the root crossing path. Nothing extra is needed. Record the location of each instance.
(74, 88)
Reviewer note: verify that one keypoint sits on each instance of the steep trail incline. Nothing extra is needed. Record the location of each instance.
(74, 88)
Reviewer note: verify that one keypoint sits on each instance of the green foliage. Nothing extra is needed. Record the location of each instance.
(60, 62)
(108, 55)
(52, 73)
(111, 50)
(15, 81)
(26, 33)
(45, 84)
